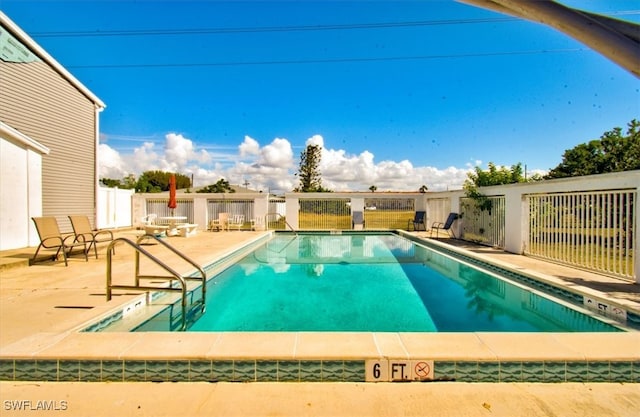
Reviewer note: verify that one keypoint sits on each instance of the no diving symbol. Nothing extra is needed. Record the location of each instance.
(422, 369)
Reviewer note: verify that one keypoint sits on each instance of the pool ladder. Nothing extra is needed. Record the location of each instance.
(278, 217)
(173, 276)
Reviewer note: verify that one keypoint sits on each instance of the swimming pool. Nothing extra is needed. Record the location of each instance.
(373, 283)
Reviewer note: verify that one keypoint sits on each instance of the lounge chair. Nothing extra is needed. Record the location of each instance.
(419, 221)
(51, 238)
(237, 221)
(445, 226)
(83, 231)
(357, 220)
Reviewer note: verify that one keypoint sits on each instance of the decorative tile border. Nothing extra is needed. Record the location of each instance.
(272, 370)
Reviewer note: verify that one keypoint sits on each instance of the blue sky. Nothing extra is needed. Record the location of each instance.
(400, 94)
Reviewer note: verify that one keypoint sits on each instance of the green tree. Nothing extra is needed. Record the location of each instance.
(373, 188)
(492, 176)
(309, 171)
(495, 176)
(128, 182)
(423, 189)
(222, 186)
(613, 152)
(111, 183)
(158, 181)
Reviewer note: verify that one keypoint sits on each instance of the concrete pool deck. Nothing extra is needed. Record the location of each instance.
(42, 306)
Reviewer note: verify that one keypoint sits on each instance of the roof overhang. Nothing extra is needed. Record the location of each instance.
(14, 135)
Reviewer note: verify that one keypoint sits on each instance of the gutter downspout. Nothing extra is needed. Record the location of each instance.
(96, 169)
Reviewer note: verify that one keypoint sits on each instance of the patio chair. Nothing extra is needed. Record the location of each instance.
(445, 226)
(237, 221)
(51, 238)
(419, 221)
(220, 223)
(357, 220)
(83, 231)
(257, 223)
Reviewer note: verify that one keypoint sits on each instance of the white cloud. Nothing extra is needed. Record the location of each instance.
(278, 154)
(144, 158)
(179, 151)
(249, 147)
(315, 140)
(272, 167)
(110, 163)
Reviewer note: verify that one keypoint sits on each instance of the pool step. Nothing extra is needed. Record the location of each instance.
(7, 263)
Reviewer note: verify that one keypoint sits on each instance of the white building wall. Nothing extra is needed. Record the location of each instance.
(14, 201)
(20, 188)
(34, 194)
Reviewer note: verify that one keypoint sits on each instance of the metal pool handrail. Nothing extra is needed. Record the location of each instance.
(279, 216)
(174, 275)
(203, 275)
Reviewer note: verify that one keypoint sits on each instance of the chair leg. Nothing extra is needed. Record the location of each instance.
(53, 257)
(35, 255)
(64, 255)
(95, 247)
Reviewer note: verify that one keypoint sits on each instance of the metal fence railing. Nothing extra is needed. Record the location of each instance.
(232, 207)
(388, 213)
(591, 230)
(486, 226)
(324, 214)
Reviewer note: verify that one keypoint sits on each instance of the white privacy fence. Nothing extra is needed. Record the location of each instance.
(113, 208)
(586, 222)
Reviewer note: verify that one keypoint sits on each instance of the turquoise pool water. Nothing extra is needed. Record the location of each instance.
(373, 283)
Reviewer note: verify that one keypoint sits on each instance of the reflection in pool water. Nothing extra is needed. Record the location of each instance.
(367, 282)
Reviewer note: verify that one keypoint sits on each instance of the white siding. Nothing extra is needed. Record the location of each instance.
(39, 102)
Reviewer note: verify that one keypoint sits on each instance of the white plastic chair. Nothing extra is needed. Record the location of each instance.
(237, 221)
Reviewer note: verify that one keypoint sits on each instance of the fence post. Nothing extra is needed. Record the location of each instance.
(455, 207)
(513, 221)
(138, 208)
(357, 203)
(292, 206)
(525, 219)
(260, 210)
(200, 212)
(636, 232)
